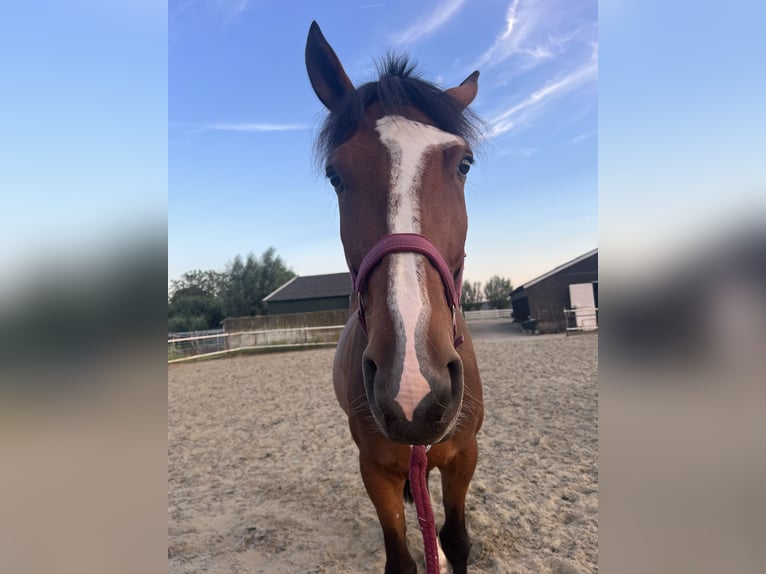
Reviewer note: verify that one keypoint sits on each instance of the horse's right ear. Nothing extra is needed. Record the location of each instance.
(326, 73)
(466, 91)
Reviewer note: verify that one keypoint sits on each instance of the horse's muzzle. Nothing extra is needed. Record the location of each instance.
(429, 421)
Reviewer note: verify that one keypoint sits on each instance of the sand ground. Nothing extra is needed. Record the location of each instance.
(263, 477)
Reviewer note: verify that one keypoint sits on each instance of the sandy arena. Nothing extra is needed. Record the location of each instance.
(263, 477)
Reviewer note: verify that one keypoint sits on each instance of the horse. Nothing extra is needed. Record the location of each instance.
(397, 152)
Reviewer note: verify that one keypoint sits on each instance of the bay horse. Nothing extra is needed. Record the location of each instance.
(397, 152)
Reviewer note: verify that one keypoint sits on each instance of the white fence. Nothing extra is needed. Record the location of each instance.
(187, 346)
(194, 343)
(488, 314)
(192, 346)
(581, 319)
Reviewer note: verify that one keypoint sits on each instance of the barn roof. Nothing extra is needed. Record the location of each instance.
(560, 268)
(313, 287)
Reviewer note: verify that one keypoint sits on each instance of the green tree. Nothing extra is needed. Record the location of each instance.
(471, 296)
(200, 300)
(183, 324)
(194, 303)
(479, 294)
(210, 282)
(497, 292)
(248, 281)
(192, 308)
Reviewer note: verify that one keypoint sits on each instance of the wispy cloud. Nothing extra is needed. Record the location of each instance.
(228, 11)
(520, 24)
(179, 8)
(561, 39)
(247, 127)
(504, 38)
(232, 7)
(366, 6)
(431, 23)
(522, 112)
(518, 151)
(535, 32)
(582, 137)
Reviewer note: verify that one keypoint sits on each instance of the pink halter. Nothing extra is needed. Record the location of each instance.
(409, 243)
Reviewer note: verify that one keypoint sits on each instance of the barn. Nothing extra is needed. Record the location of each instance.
(310, 293)
(573, 285)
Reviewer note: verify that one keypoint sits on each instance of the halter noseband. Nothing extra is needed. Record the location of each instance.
(409, 243)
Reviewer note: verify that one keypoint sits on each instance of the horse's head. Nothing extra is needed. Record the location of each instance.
(397, 153)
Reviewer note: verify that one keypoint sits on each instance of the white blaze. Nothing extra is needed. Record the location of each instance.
(408, 143)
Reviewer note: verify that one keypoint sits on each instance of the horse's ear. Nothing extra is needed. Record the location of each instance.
(466, 91)
(326, 73)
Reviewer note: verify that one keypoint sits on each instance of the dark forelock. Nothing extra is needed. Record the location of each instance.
(398, 86)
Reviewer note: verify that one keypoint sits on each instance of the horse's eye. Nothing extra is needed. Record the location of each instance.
(465, 165)
(334, 178)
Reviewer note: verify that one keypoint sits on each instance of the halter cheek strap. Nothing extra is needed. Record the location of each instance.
(409, 243)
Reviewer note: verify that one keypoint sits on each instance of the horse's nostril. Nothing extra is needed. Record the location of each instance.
(455, 369)
(369, 369)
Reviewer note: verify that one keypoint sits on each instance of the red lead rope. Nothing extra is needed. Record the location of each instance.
(418, 467)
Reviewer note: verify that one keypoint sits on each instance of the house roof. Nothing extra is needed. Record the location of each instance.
(560, 268)
(313, 287)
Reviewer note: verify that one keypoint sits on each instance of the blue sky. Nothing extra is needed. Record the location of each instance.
(109, 109)
(242, 117)
(682, 130)
(83, 156)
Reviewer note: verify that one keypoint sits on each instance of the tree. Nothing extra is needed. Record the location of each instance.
(208, 281)
(191, 308)
(248, 281)
(183, 324)
(479, 296)
(471, 296)
(200, 300)
(194, 303)
(497, 292)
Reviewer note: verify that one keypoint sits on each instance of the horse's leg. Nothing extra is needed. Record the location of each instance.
(456, 477)
(386, 492)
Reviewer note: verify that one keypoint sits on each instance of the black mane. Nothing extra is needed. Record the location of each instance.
(398, 86)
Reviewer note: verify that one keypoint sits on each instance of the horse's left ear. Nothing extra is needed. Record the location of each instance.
(466, 91)
(328, 78)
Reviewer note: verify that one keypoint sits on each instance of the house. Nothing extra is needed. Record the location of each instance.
(311, 293)
(573, 285)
